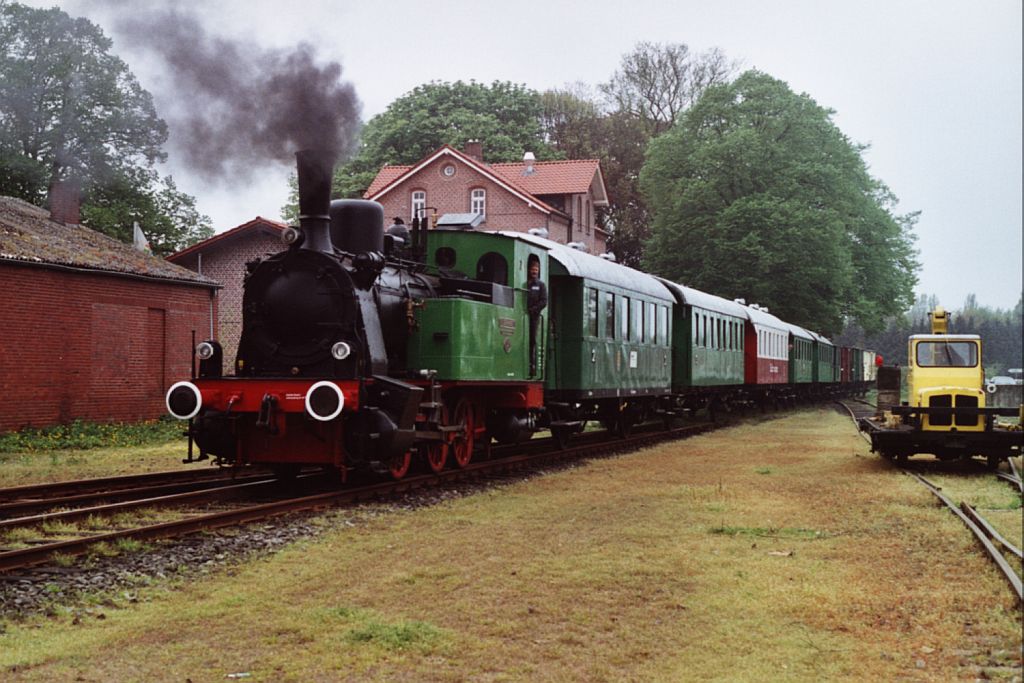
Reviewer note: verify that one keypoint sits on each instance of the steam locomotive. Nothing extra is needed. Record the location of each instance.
(361, 351)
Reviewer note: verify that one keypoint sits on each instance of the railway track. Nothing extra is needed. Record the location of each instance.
(994, 544)
(234, 500)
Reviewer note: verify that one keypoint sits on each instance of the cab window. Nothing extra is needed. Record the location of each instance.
(947, 354)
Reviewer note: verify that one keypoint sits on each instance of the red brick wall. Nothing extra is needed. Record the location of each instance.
(225, 262)
(451, 194)
(92, 347)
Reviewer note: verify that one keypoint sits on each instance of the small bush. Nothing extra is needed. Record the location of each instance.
(81, 435)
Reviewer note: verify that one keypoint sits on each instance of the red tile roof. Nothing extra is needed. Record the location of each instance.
(255, 223)
(384, 177)
(551, 177)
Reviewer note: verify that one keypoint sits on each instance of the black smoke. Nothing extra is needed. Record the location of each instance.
(233, 105)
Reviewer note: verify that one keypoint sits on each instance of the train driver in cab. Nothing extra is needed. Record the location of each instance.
(536, 301)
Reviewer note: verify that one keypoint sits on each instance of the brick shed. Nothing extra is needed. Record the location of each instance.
(222, 258)
(90, 328)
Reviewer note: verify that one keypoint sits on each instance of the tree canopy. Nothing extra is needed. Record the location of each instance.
(654, 84)
(505, 116)
(70, 108)
(755, 193)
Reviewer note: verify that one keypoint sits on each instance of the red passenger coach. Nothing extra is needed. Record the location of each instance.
(766, 348)
(845, 364)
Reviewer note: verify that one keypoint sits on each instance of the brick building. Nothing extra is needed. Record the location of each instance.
(90, 328)
(222, 258)
(559, 196)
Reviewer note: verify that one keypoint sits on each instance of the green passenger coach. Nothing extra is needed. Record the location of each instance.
(707, 341)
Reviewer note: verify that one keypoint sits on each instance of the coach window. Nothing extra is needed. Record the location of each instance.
(636, 320)
(609, 315)
(592, 312)
(624, 318)
(652, 325)
(663, 325)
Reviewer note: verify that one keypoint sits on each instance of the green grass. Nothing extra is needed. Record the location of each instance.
(366, 626)
(766, 532)
(81, 435)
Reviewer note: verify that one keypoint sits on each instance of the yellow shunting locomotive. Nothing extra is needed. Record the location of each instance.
(944, 413)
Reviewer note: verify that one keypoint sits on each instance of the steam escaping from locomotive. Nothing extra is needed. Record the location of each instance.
(233, 106)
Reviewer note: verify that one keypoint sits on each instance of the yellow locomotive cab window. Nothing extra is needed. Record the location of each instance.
(947, 354)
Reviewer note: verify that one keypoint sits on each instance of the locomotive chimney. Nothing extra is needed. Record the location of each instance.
(315, 170)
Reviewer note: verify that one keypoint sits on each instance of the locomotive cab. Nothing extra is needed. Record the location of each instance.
(946, 372)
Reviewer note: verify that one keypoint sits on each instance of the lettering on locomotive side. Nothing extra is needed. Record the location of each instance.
(295, 397)
(506, 327)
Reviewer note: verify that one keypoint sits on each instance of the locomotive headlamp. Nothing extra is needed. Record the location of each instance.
(324, 401)
(290, 236)
(184, 400)
(341, 351)
(204, 350)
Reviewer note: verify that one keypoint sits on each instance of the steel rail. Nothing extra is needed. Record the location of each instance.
(1013, 468)
(64, 488)
(23, 507)
(993, 552)
(191, 497)
(14, 559)
(989, 530)
(1012, 479)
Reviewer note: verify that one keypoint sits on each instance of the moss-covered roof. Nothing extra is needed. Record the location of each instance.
(28, 236)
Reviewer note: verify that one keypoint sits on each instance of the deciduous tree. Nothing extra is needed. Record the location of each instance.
(68, 107)
(755, 193)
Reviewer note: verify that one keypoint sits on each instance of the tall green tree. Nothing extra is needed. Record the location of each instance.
(654, 84)
(755, 193)
(505, 116)
(70, 108)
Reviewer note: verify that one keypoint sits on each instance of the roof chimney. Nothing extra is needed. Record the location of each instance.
(65, 201)
(475, 149)
(528, 159)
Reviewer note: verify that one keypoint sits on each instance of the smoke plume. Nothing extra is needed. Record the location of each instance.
(236, 105)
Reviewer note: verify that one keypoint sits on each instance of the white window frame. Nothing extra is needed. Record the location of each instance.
(419, 203)
(478, 198)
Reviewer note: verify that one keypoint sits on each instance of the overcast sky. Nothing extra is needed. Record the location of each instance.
(934, 87)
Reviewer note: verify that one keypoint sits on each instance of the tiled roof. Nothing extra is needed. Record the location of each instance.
(386, 175)
(29, 236)
(551, 177)
(254, 224)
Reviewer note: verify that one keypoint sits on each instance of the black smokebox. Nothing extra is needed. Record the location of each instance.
(315, 169)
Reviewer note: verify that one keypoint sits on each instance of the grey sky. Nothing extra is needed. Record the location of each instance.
(933, 87)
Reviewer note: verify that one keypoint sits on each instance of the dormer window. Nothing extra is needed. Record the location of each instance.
(478, 201)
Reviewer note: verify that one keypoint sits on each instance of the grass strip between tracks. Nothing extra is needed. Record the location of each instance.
(768, 551)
